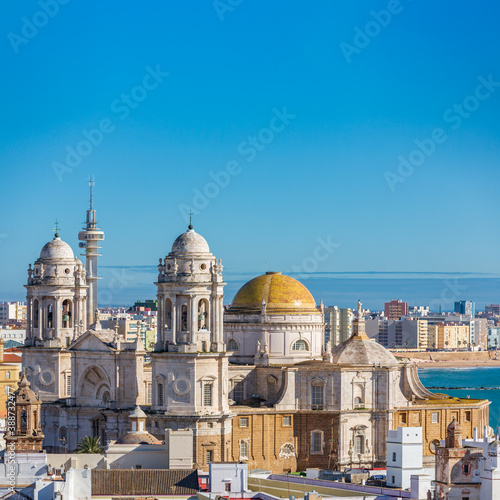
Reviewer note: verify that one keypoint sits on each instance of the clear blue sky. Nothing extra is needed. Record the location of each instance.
(322, 174)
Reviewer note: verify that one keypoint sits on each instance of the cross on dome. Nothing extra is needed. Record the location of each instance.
(56, 229)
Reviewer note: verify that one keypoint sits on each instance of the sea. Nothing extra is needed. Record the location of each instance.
(439, 290)
(476, 382)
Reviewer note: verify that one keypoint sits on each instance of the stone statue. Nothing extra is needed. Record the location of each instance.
(359, 309)
(258, 346)
(266, 348)
(263, 307)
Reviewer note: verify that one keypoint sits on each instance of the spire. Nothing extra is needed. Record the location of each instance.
(358, 325)
(91, 184)
(190, 213)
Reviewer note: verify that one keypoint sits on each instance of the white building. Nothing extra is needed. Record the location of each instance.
(404, 456)
(226, 478)
(12, 312)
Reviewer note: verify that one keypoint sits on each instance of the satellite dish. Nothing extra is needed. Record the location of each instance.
(291, 497)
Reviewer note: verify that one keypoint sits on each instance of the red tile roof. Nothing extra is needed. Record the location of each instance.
(12, 358)
(143, 482)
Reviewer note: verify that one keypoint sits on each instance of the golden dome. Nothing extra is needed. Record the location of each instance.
(282, 294)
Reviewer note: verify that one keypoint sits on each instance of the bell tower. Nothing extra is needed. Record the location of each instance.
(25, 433)
(56, 297)
(190, 363)
(56, 304)
(190, 293)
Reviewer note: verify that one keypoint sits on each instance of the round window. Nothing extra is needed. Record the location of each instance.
(67, 270)
(181, 386)
(47, 377)
(203, 266)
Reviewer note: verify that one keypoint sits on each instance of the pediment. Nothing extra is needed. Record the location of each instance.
(89, 341)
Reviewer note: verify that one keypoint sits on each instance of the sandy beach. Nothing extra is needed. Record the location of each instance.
(451, 359)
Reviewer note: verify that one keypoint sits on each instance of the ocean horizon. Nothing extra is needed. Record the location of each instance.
(439, 290)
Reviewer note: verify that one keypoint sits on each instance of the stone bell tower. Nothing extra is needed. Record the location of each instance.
(56, 315)
(24, 434)
(190, 365)
(56, 297)
(190, 292)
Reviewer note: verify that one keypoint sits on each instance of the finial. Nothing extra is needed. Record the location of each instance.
(190, 213)
(56, 229)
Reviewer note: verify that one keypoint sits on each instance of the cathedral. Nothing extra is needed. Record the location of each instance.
(253, 383)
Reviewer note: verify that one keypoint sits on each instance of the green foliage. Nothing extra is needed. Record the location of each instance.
(90, 445)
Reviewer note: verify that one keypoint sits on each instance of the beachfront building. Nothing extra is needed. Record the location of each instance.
(409, 333)
(493, 338)
(448, 336)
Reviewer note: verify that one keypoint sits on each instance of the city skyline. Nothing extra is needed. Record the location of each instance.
(282, 129)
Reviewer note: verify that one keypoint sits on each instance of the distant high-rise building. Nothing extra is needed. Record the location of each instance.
(406, 333)
(338, 324)
(493, 309)
(12, 312)
(466, 307)
(395, 309)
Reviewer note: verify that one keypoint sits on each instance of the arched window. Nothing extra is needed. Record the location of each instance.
(35, 313)
(203, 314)
(63, 436)
(106, 398)
(168, 314)
(24, 422)
(49, 316)
(300, 345)
(66, 313)
(7, 375)
(358, 402)
(232, 345)
(271, 387)
(360, 444)
(184, 318)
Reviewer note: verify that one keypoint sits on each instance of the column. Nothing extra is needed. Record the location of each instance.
(29, 329)
(215, 320)
(194, 320)
(41, 323)
(174, 319)
(221, 319)
(77, 315)
(160, 327)
(56, 317)
(84, 313)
